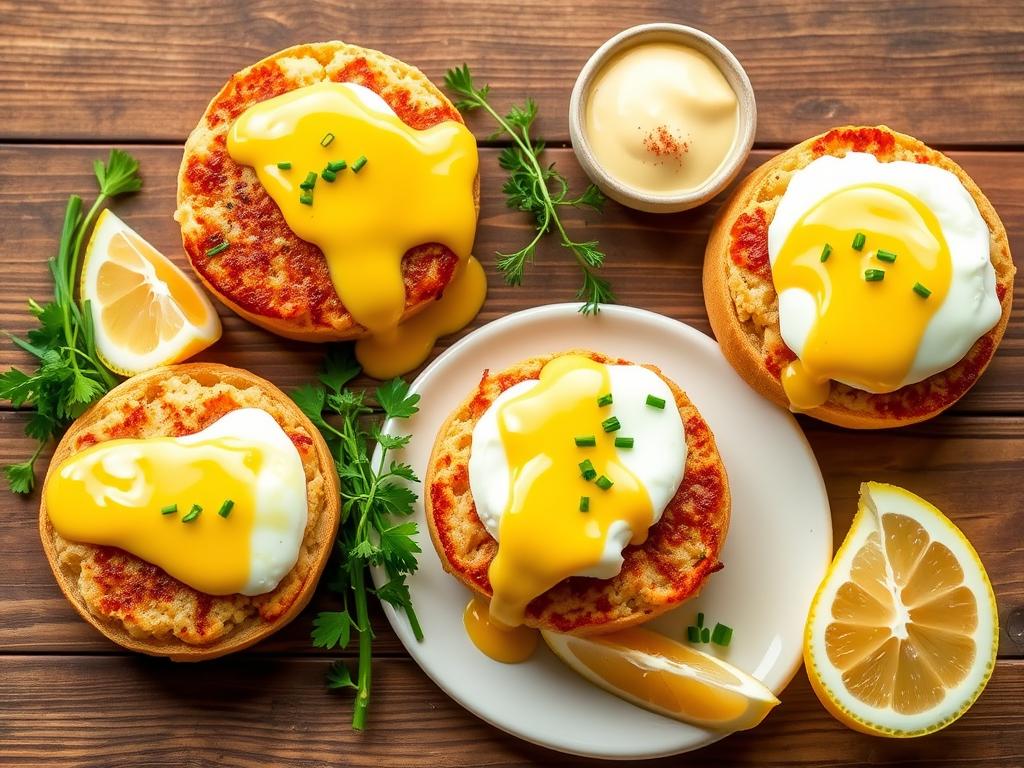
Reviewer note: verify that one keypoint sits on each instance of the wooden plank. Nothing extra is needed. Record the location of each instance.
(244, 711)
(654, 261)
(146, 70)
(967, 466)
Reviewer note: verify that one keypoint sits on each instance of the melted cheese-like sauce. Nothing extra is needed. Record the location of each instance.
(415, 188)
(509, 645)
(114, 493)
(545, 537)
(865, 333)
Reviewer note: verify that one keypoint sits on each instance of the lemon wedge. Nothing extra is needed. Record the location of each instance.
(902, 635)
(672, 679)
(146, 312)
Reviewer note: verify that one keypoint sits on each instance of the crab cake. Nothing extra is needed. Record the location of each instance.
(137, 604)
(680, 550)
(743, 304)
(269, 275)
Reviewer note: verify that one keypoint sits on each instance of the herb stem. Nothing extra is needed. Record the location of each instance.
(362, 702)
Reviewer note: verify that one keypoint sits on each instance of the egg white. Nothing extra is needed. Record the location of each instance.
(971, 307)
(657, 458)
(279, 520)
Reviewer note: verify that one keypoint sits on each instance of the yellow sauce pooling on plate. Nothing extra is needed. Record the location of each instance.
(113, 494)
(416, 187)
(509, 645)
(866, 332)
(545, 537)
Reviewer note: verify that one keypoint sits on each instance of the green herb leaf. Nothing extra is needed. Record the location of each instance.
(310, 399)
(332, 629)
(340, 367)
(21, 477)
(338, 676)
(399, 548)
(395, 399)
(119, 176)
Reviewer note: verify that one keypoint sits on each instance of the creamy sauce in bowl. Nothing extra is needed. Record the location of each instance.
(661, 117)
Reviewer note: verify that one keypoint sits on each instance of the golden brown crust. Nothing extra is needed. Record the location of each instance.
(270, 276)
(681, 549)
(136, 604)
(743, 307)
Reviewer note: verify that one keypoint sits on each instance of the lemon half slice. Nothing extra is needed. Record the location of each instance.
(146, 312)
(902, 635)
(672, 679)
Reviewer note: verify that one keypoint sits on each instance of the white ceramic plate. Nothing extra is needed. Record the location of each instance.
(776, 553)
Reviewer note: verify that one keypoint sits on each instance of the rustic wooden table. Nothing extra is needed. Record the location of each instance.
(75, 79)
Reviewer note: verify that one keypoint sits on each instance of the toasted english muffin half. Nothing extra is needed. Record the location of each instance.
(138, 605)
(743, 306)
(269, 275)
(681, 549)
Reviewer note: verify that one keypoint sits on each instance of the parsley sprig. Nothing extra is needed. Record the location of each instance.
(536, 189)
(69, 375)
(374, 494)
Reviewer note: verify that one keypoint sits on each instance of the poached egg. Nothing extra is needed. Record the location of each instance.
(222, 510)
(882, 272)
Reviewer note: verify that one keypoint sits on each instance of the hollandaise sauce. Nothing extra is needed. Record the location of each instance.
(876, 263)
(661, 117)
(350, 177)
(501, 642)
(221, 510)
(546, 533)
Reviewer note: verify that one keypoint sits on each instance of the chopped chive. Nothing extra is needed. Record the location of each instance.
(328, 175)
(584, 503)
(623, 442)
(357, 166)
(310, 181)
(192, 514)
(604, 400)
(604, 483)
(921, 291)
(306, 198)
(700, 620)
(887, 256)
(170, 509)
(587, 470)
(826, 252)
(693, 634)
(225, 508)
(655, 402)
(285, 166)
(336, 165)
(611, 425)
(585, 441)
(722, 635)
(874, 275)
(218, 248)
(858, 241)
(327, 139)
(705, 635)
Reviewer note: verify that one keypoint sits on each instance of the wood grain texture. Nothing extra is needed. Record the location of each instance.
(967, 466)
(654, 261)
(144, 69)
(115, 712)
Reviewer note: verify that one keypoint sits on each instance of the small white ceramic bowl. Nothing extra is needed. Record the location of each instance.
(734, 74)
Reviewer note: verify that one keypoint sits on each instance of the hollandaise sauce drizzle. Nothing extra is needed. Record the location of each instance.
(114, 493)
(544, 535)
(867, 329)
(414, 187)
(510, 645)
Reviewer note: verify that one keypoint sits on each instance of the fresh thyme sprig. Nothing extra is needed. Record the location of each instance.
(536, 189)
(373, 495)
(69, 376)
